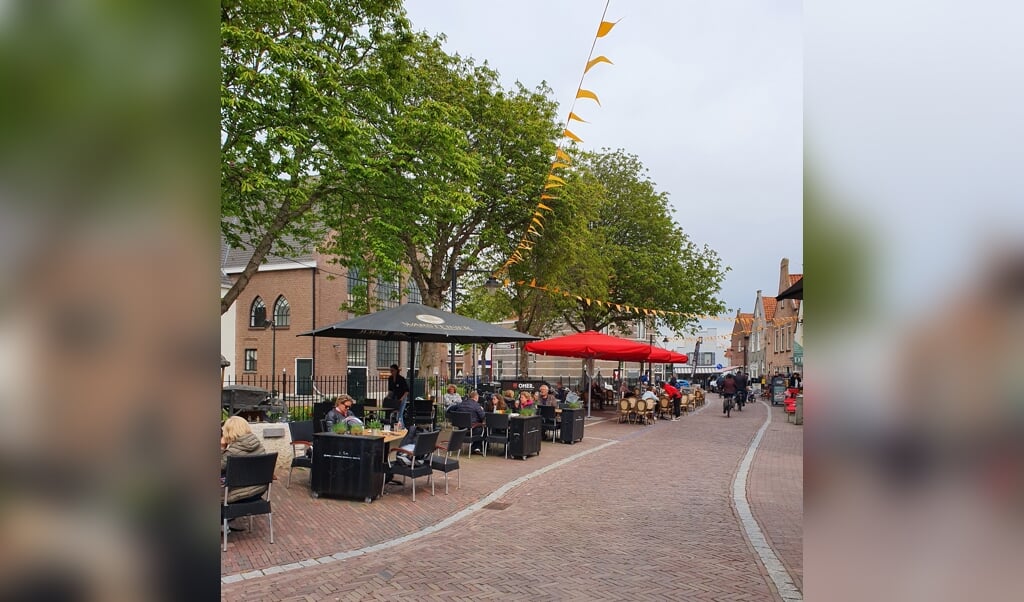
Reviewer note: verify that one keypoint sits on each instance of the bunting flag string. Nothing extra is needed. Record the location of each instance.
(646, 311)
(562, 159)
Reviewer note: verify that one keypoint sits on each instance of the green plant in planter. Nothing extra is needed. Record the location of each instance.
(355, 429)
(374, 425)
(527, 412)
(341, 428)
(574, 405)
(300, 413)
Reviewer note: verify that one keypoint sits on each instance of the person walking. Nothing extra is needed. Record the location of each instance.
(728, 391)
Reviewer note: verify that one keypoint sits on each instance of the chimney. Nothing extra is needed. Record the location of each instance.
(783, 275)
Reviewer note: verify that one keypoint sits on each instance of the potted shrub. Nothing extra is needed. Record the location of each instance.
(529, 411)
(374, 426)
(341, 428)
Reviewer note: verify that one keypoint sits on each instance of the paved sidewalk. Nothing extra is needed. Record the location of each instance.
(645, 515)
(775, 491)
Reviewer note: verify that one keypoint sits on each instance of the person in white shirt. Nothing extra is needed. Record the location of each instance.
(451, 398)
(649, 394)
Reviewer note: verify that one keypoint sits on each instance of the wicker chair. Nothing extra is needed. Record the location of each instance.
(664, 408)
(624, 410)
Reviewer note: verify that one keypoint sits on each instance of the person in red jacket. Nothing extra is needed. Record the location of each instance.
(677, 398)
(728, 390)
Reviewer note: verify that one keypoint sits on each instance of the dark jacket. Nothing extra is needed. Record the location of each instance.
(472, 407)
(334, 416)
(729, 385)
(246, 445)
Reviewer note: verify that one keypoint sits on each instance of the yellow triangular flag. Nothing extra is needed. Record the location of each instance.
(553, 178)
(538, 222)
(548, 196)
(581, 93)
(588, 302)
(600, 59)
(573, 116)
(561, 154)
(571, 136)
(558, 165)
(604, 28)
(543, 206)
(552, 185)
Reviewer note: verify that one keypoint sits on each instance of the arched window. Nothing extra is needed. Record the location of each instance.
(282, 312)
(257, 313)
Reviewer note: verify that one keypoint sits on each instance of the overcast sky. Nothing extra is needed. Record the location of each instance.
(707, 94)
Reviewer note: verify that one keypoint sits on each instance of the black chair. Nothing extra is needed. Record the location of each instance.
(549, 420)
(302, 442)
(497, 430)
(474, 431)
(423, 413)
(248, 471)
(420, 458)
(447, 463)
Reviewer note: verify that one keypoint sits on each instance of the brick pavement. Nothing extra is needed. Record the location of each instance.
(647, 517)
(775, 491)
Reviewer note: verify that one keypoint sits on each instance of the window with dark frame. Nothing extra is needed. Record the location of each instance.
(387, 353)
(257, 313)
(356, 352)
(250, 360)
(282, 312)
(388, 294)
(413, 291)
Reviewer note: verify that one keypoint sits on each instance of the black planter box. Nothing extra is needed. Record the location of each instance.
(524, 434)
(572, 426)
(348, 466)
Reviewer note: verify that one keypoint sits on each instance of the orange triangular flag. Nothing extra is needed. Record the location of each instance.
(600, 59)
(551, 185)
(548, 196)
(553, 178)
(571, 136)
(604, 28)
(543, 206)
(558, 165)
(561, 154)
(573, 116)
(581, 93)
(538, 222)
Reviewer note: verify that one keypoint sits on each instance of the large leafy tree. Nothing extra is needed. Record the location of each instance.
(460, 161)
(629, 252)
(302, 85)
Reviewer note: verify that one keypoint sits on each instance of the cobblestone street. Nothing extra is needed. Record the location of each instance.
(631, 512)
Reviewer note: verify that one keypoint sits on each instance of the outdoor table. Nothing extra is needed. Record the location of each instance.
(351, 466)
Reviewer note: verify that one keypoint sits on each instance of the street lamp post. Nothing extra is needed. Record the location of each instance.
(273, 356)
(491, 285)
(696, 358)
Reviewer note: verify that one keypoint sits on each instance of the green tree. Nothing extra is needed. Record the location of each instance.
(302, 82)
(630, 251)
(459, 163)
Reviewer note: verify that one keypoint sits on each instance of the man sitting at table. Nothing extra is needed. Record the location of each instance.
(471, 405)
(545, 397)
(649, 393)
(341, 411)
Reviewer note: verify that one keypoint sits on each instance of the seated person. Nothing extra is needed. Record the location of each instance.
(496, 404)
(342, 409)
(525, 400)
(451, 398)
(649, 394)
(471, 405)
(545, 397)
(237, 439)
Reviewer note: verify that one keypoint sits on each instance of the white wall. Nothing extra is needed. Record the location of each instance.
(227, 338)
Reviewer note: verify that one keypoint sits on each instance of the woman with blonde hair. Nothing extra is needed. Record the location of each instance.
(237, 439)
